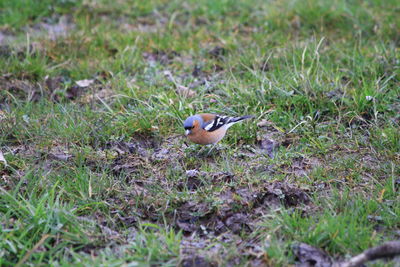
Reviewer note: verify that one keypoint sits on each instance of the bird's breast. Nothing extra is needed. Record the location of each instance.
(205, 138)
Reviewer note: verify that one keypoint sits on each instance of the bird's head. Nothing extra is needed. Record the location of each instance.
(192, 123)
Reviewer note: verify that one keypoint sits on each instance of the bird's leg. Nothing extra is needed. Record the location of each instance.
(201, 150)
(211, 149)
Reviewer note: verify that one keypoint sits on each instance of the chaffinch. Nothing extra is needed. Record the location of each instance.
(205, 128)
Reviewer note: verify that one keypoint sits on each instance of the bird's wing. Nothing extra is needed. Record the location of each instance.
(216, 123)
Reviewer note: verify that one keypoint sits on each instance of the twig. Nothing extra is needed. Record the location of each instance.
(387, 250)
(35, 247)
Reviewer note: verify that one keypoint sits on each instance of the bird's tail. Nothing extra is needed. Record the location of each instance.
(234, 120)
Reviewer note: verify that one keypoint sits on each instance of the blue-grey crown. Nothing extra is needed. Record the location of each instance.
(188, 123)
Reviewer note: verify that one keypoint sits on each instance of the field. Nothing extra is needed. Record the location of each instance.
(95, 169)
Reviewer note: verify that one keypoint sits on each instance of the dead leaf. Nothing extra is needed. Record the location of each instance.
(264, 123)
(185, 91)
(309, 256)
(192, 173)
(103, 94)
(60, 153)
(60, 156)
(2, 159)
(84, 83)
(154, 128)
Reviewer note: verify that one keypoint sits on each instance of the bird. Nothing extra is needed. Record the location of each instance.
(206, 128)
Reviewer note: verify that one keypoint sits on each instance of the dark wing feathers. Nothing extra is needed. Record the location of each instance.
(217, 123)
(220, 121)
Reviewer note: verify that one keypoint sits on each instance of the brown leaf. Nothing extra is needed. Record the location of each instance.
(84, 83)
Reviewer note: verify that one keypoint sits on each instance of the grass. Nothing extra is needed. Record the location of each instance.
(16, 14)
(100, 175)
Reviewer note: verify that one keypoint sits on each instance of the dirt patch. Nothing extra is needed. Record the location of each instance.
(238, 212)
(151, 23)
(9, 179)
(25, 87)
(131, 157)
(269, 138)
(49, 28)
(192, 183)
(362, 161)
(59, 153)
(139, 147)
(52, 28)
(279, 193)
(44, 159)
(128, 165)
(196, 179)
(21, 89)
(6, 38)
(239, 209)
(301, 166)
(140, 165)
(235, 209)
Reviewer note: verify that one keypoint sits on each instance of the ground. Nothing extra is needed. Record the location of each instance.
(94, 167)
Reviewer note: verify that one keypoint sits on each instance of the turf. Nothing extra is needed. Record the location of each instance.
(100, 174)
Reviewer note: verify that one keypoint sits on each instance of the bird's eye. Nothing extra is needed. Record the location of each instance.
(189, 127)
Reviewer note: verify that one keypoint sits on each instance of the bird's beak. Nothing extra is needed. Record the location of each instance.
(187, 132)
